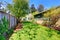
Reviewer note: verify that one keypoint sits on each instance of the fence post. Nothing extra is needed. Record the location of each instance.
(9, 21)
(14, 21)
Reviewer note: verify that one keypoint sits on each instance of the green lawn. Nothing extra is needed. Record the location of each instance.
(32, 31)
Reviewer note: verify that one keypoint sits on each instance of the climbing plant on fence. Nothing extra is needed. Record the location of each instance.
(3, 25)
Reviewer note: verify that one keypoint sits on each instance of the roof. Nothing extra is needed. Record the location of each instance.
(43, 12)
(50, 9)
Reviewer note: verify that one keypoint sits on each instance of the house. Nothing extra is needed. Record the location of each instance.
(28, 17)
(40, 14)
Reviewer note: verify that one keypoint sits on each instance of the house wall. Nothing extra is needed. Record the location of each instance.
(12, 19)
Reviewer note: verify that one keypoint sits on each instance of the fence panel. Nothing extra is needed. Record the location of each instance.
(12, 19)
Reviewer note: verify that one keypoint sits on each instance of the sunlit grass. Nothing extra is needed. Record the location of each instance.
(32, 31)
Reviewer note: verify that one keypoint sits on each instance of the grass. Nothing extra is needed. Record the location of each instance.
(32, 31)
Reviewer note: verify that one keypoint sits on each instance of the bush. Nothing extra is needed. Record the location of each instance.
(3, 25)
(9, 32)
(2, 37)
(53, 14)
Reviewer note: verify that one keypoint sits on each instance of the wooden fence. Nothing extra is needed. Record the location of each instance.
(12, 19)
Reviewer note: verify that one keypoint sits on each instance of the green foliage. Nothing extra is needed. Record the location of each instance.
(52, 12)
(9, 32)
(3, 25)
(33, 31)
(33, 9)
(41, 8)
(2, 37)
(34, 13)
(19, 8)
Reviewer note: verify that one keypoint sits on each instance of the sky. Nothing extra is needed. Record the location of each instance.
(45, 3)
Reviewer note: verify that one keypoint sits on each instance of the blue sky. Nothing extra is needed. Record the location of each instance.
(46, 3)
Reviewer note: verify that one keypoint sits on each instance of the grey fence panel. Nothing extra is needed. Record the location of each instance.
(12, 19)
(15, 21)
(6, 16)
(0, 16)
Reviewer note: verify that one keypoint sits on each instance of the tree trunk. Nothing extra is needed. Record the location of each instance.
(18, 20)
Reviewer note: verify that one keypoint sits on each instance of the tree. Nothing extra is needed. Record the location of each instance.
(40, 8)
(19, 8)
(33, 8)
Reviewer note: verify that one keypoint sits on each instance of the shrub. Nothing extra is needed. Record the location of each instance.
(53, 14)
(3, 25)
(2, 37)
(9, 32)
